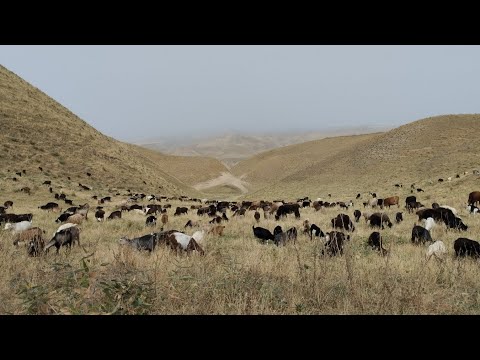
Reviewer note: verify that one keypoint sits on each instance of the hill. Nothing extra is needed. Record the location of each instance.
(36, 131)
(419, 152)
(272, 166)
(190, 170)
(230, 149)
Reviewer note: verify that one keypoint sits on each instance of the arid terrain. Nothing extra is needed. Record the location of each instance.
(238, 274)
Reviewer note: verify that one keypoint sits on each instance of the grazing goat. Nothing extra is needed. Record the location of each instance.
(115, 215)
(376, 242)
(180, 241)
(27, 235)
(75, 219)
(217, 230)
(19, 226)
(164, 219)
(281, 238)
(466, 247)
(146, 242)
(262, 233)
(357, 214)
(66, 237)
(318, 231)
(398, 217)
(100, 215)
(335, 243)
(151, 221)
(420, 234)
(429, 223)
(437, 249)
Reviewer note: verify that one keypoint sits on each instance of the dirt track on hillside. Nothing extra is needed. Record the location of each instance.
(224, 179)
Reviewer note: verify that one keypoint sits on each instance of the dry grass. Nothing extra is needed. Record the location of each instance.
(238, 275)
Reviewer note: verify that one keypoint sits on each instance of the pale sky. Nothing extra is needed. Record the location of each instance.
(130, 92)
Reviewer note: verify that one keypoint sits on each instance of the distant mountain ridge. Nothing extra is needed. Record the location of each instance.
(231, 148)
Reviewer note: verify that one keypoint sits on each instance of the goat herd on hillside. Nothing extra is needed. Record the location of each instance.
(334, 241)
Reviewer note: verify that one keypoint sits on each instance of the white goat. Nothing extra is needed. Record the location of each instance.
(63, 227)
(437, 249)
(429, 223)
(198, 236)
(20, 226)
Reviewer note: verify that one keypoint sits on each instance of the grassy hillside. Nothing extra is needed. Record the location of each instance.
(190, 170)
(419, 152)
(38, 131)
(272, 166)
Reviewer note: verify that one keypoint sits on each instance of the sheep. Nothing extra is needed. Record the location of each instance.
(437, 249)
(20, 226)
(27, 235)
(75, 219)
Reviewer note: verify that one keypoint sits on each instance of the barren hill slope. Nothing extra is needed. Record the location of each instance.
(38, 131)
(419, 152)
(274, 165)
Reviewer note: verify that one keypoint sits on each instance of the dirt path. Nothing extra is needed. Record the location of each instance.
(224, 179)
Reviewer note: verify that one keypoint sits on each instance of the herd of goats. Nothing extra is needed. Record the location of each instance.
(68, 233)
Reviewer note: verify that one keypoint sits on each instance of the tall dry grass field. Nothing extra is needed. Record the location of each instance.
(238, 274)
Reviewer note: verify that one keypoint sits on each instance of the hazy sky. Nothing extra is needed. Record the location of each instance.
(130, 92)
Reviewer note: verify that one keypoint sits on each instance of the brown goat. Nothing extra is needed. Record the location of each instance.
(164, 219)
(217, 230)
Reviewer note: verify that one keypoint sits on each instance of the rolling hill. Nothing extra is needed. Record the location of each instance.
(36, 131)
(419, 152)
(230, 149)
